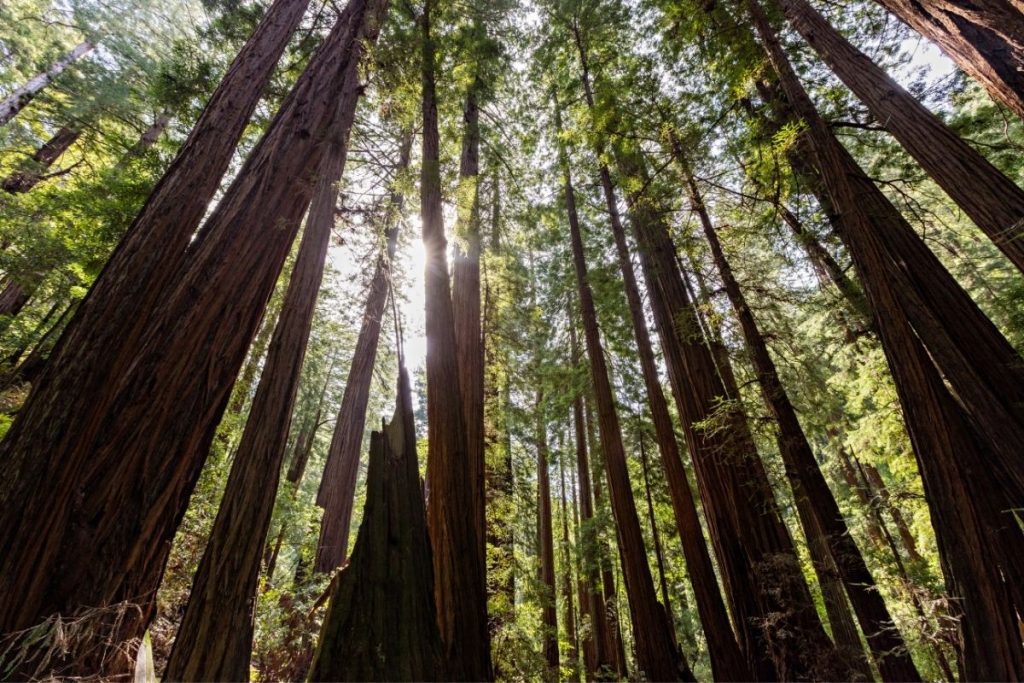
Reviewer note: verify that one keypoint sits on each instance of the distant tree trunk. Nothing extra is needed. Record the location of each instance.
(965, 499)
(338, 483)
(33, 171)
(214, 640)
(882, 491)
(19, 99)
(30, 368)
(381, 623)
(13, 298)
(985, 39)
(170, 399)
(546, 543)
(657, 655)
(656, 540)
(573, 654)
(598, 656)
(151, 134)
(819, 513)
(460, 590)
(989, 198)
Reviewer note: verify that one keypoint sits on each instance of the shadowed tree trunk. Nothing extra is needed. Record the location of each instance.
(978, 558)
(460, 590)
(34, 169)
(338, 483)
(819, 513)
(139, 460)
(989, 198)
(214, 640)
(546, 546)
(985, 38)
(13, 298)
(381, 623)
(573, 654)
(657, 655)
(19, 99)
(882, 491)
(656, 540)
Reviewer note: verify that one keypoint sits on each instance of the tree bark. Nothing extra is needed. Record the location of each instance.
(546, 543)
(171, 398)
(659, 556)
(657, 655)
(151, 134)
(381, 623)
(985, 39)
(573, 654)
(819, 513)
(20, 98)
(989, 198)
(963, 497)
(32, 172)
(336, 494)
(460, 590)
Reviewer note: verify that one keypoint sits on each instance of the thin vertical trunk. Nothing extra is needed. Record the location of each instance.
(151, 134)
(460, 591)
(817, 507)
(573, 655)
(656, 539)
(34, 170)
(962, 492)
(381, 623)
(147, 435)
(989, 198)
(338, 482)
(546, 542)
(985, 38)
(214, 640)
(19, 99)
(657, 655)
(882, 491)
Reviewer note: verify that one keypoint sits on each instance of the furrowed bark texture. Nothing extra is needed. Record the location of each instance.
(819, 512)
(336, 494)
(985, 38)
(381, 623)
(989, 198)
(170, 401)
(546, 541)
(976, 538)
(32, 172)
(460, 590)
(214, 640)
(657, 655)
(20, 98)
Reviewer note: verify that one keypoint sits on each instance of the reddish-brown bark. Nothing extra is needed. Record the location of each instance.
(34, 169)
(546, 543)
(573, 654)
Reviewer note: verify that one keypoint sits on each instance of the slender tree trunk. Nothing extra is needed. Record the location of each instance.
(170, 400)
(659, 556)
(657, 655)
(151, 134)
(874, 478)
(13, 298)
(20, 98)
(573, 654)
(989, 198)
(33, 171)
(460, 591)
(985, 39)
(214, 640)
(820, 515)
(381, 623)
(338, 483)
(546, 543)
(962, 493)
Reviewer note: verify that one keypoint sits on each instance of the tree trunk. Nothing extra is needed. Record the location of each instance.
(656, 540)
(20, 98)
(985, 38)
(13, 298)
(171, 398)
(989, 198)
(33, 171)
(338, 482)
(963, 496)
(546, 543)
(657, 655)
(381, 623)
(151, 134)
(214, 640)
(460, 590)
(819, 513)
(882, 491)
(573, 655)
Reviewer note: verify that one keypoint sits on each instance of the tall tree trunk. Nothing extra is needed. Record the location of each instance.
(985, 38)
(20, 98)
(989, 198)
(817, 507)
(546, 543)
(338, 482)
(214, 640)
(573, 654)
(657, 655)
(171, 398)
(13, 298)
(874, 478)
(381, 623)
(659, 556)
(151, 134)
(32, 171)
(963, 496)
(460, 590)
